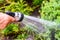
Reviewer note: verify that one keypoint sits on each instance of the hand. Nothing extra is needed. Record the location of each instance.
(5, 20)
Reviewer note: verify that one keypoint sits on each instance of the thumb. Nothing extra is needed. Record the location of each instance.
(12, 19)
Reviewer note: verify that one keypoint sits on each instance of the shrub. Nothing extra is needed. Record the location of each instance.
(11, 28)
(20, 6)
(51, 11)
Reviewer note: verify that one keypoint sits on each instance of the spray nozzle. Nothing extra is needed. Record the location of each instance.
(17, 15)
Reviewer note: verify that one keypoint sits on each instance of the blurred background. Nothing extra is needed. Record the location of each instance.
(44, 9)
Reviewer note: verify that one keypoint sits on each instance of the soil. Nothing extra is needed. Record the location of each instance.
(36, 13)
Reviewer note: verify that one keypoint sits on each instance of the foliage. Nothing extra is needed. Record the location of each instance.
(37, 2)
(57, 35)
(9, 1)
(19, 7)
(51, 12)
(22, 36)
(1, 1)
(10, 29)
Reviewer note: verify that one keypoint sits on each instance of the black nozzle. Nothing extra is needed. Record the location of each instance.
(10, 13)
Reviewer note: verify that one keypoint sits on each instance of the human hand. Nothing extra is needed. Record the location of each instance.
(5, 20)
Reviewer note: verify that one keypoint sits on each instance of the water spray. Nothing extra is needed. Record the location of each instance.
(35, 24)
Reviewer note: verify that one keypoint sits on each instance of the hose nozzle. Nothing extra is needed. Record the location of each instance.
(17, 15)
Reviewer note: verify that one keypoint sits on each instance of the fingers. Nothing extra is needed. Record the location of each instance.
(1, 21)
(4, 24)
(5, 20)
(12, 19)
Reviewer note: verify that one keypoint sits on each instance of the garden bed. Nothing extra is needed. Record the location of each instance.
(44, 9)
